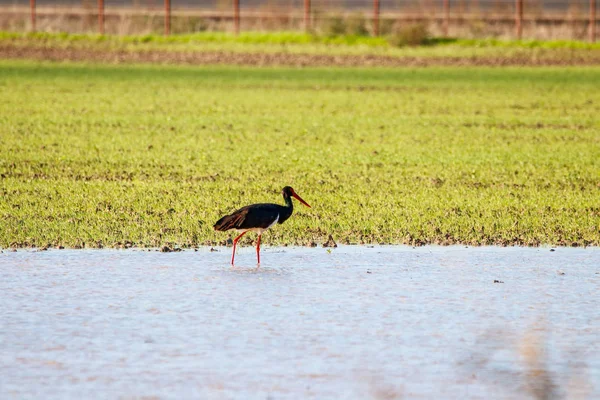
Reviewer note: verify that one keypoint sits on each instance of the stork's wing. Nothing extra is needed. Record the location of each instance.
(249, 217)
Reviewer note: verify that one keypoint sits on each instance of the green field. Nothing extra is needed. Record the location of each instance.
(96, 155)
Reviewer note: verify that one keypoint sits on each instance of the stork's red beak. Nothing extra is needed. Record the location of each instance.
(300, 199)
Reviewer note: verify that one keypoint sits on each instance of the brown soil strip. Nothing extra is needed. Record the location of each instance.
(540, 58)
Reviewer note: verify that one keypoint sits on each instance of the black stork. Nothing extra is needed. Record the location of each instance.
(258, 218)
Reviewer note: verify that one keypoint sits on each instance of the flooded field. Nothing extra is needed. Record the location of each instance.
(352, 323)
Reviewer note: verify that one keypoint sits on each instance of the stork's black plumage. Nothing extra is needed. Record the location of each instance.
(258, 218)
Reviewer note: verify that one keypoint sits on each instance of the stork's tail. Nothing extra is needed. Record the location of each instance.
(226, 223)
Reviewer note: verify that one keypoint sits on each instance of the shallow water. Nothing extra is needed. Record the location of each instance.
(356, 322)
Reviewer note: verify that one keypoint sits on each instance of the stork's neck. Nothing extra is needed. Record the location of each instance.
(287, 210)
(288, 202)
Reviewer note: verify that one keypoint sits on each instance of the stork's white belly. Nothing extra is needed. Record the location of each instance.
(260, 230)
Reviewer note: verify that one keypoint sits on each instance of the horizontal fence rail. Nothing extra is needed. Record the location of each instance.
(581, 16)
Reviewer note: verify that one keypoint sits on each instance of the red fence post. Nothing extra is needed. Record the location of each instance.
(167, 17)
(101, 16)
(307, 15)
(32, 16)
(446, 16)
(592, 21)
(376, 17)
(519, 19)
(236, 16)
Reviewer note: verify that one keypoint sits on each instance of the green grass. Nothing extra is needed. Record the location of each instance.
(283, 38)
(273, 38)
(293, 42)
(94, 155)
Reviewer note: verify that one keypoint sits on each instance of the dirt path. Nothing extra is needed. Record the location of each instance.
(537, 58)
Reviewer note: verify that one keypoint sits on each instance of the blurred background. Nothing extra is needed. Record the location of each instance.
(503, 19)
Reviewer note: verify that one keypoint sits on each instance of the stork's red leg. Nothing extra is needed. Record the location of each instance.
(258, 249)
(235, 243)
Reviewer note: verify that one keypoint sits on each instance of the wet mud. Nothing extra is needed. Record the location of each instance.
(119, 56)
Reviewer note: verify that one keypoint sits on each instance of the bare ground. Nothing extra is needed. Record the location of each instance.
(539, 57)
